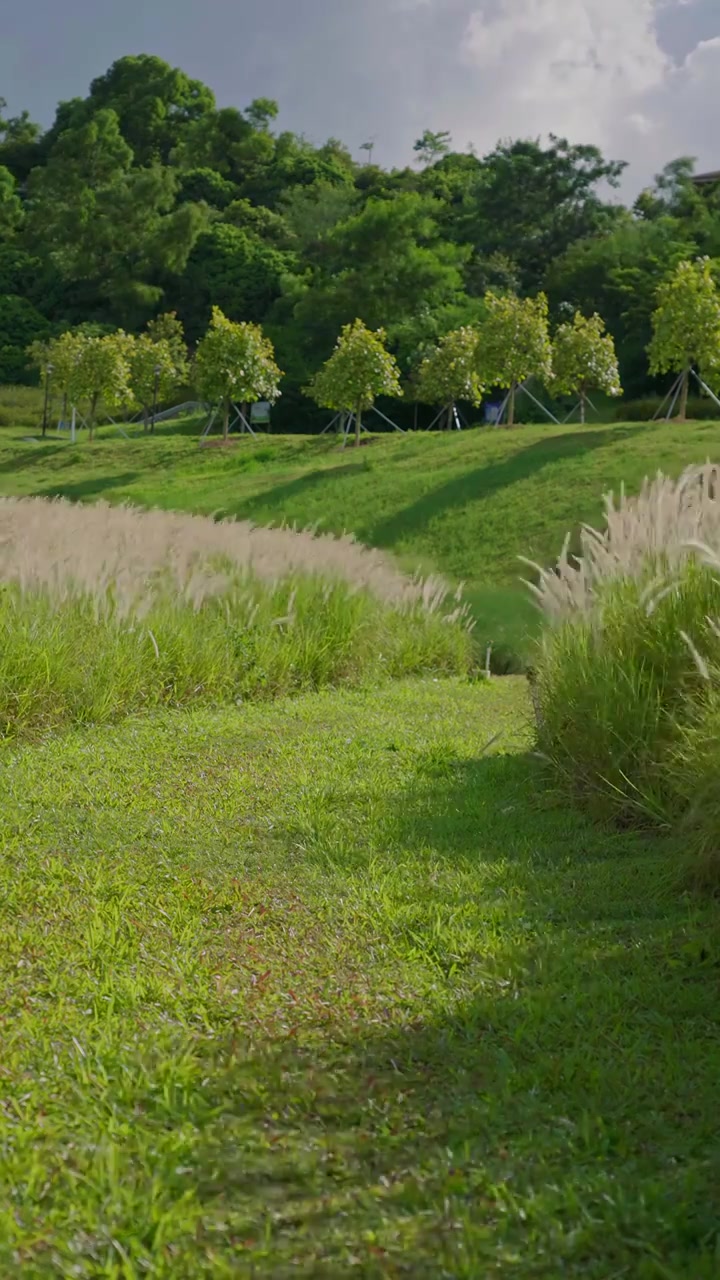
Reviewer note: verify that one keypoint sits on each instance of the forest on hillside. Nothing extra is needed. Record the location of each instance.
(145, 197)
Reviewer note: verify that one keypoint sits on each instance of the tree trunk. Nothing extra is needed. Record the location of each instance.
(358, 426)
(511, 409)
(583, 408)
(415, 422)
(684, 394)
(226, 421)
(91, 417)
(449, 424)
(146, 419)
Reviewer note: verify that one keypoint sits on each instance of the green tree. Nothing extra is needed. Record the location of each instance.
(92, 370)
(153, 373)
(11, 212)
(233, 269)
(618, 274)
(359, 370)
(20, 325)
(529, 203)
(168, 329)
(20, 148)
(514, 343)
(584, 359)
(382, 265)
(236, 362)
(686, 325)
(107, 222)
(155, 105)
(432, 146)
(449, 373)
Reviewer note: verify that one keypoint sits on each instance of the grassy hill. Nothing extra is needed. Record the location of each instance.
(467, 505)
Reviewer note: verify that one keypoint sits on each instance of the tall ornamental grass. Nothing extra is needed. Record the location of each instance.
(627, 685)
(105, 612)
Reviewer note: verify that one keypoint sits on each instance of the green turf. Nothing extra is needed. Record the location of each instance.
(467, 505)
(319, 989)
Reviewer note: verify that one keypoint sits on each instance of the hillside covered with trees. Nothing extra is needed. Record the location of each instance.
(145, 197)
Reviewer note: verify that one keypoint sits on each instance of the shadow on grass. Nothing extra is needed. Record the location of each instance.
(82, 489)
(528, 1113)
(30, 457)
(275, 497)
(473, 486)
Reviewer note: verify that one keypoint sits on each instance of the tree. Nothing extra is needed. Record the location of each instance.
(514, 343)
(382, 265)
(89, 369)
(107, 222)
(618, 274)
(236, 362)
(167, 328)
(20, 325)
(432, 146)
(584, 358)
(11, 212)
(450, 373)
(359, 370)
(686, 325)
(155, 105)
(528, 203)
(232, 269)
(153, 373)
(19, 143)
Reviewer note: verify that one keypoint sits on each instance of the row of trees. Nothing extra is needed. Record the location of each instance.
(235, 362)
(144, 196)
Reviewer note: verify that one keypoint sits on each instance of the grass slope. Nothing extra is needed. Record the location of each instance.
(466, 505)
(318, 989)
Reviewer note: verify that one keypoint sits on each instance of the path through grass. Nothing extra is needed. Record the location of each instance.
(319, 989)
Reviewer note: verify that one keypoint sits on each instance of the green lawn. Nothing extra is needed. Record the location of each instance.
(319, 989)
(467, 505)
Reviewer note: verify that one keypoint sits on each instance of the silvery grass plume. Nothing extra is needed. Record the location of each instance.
(121, 553)
(646, 537)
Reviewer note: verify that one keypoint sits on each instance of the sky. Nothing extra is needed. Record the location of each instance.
(639, 78)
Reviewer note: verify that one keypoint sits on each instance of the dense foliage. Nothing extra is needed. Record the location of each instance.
(145, 197)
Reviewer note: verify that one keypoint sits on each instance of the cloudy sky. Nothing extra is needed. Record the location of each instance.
(641, 78)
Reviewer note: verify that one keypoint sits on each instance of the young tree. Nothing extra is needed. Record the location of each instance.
(359, 370)
(514, 343)
(90, 369)
(432, 146)
(153, 373)
(686, 325)
(236, 362)
(450, 373)
(584, 358)
(167, 328)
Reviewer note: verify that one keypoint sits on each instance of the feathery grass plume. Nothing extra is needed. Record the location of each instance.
(627, 685)
(647, 536)
(108, 610)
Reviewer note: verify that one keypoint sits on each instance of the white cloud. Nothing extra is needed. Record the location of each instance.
(590, 70)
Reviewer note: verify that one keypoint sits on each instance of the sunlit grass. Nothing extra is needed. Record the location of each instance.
(319, 988)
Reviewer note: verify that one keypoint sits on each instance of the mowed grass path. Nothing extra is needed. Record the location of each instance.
(467, 505)
(321, 989)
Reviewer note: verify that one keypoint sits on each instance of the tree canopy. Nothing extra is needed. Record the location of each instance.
(514, 343)
(359, 370)
(686, 325)
(235, 363)
(584, 359)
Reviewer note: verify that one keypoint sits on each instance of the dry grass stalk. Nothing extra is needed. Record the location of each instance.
(647, 536)
(67, 547)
